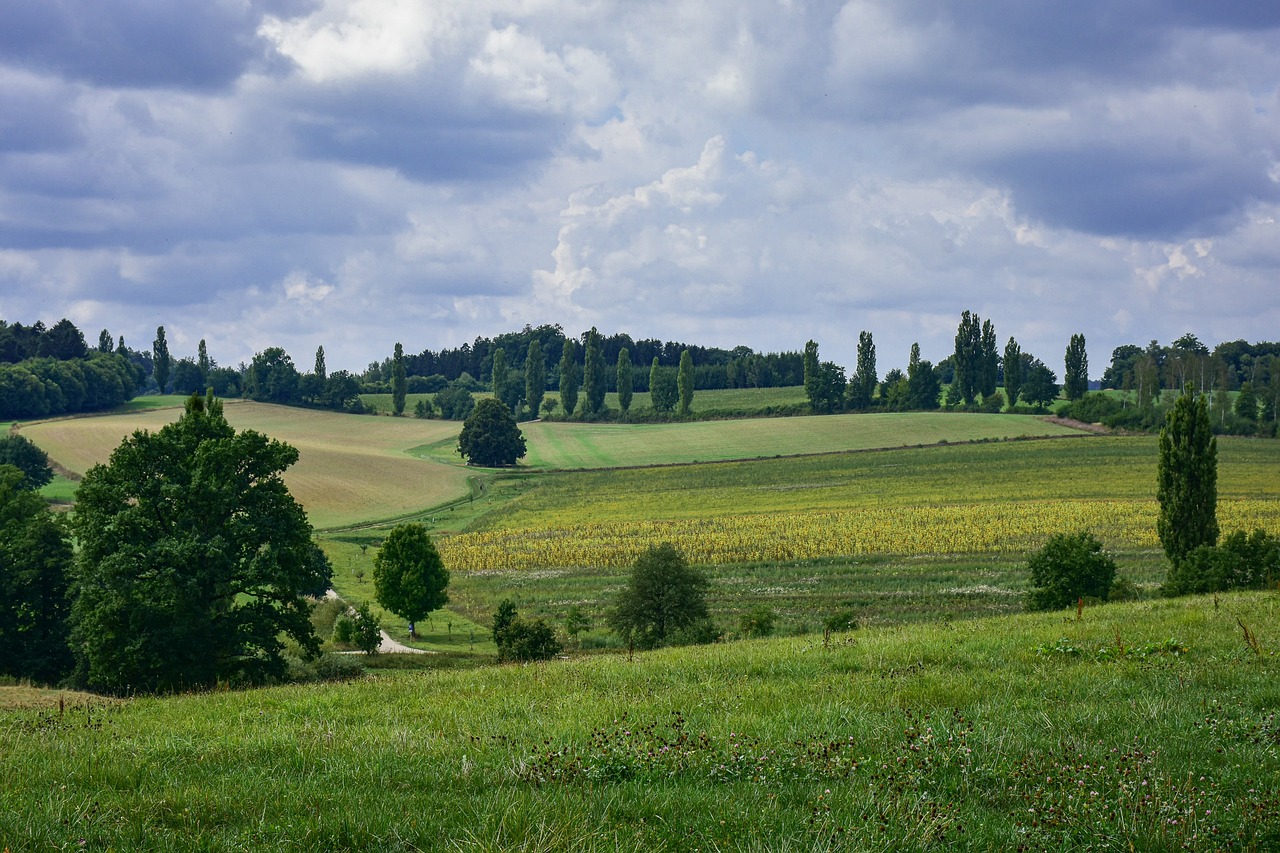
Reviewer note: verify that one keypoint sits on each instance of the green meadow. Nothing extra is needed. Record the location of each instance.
(1148, 726)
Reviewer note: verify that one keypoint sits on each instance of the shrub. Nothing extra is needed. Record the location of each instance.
(1242, 561)
(843, 620)
(1070, 566)
(1092, 408)
(759, 621)
(522, 639)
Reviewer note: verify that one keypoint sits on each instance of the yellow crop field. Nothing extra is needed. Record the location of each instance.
(350, 469)
(921, 531)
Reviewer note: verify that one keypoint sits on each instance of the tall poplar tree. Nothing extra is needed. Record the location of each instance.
(862, 387)
(161, 363)
(624, 380)
(399, 382)
(569, 377)
(202, 362)
(813, 376)
(535, 378)
(1187, 479)
(968, 343)
(988, 361)
(1012, 371)
(1075, 381)
(594, 384)
(320, 369)
(684, 382)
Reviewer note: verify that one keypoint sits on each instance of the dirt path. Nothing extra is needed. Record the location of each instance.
(388, 646)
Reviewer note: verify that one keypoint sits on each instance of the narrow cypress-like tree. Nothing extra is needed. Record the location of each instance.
(569, 377)
(1187, 485)
(202, 362)
(320, 369)
(160, 360)
(399, 383)
(988, 361)
(594, 385)
(535, 378)
(863, 385)
(500, 374)
(968, 343)
(813, 376)
(1012, 371)
(1075, 381)
(624, 380)
(684, 382)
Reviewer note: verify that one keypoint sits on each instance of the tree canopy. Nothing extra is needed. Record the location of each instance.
(663, 597)
(409, 577)
(490, 436)
(35, 561)
(194, 559)
(1187, 479)
(21, 453)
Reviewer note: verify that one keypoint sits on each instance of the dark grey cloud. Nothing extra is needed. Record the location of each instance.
(139, 43)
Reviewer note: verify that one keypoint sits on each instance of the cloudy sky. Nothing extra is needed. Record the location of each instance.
(351, 173)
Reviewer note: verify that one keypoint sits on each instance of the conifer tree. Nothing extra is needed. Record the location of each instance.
(1187, 484)
(535, 378)
(569, 377)
(399, 382)
(624, 380)
(684, 382)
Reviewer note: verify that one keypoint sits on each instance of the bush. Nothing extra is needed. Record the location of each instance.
(1069, 567)
(1242, 561)
(522, 639)
(843, 620)
(759, 621)
(1092, 408)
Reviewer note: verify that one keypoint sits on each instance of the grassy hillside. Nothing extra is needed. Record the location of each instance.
(350, 469)
(742, 401)
(1149, 726)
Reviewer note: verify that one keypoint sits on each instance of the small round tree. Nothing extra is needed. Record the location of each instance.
(664, 597)
(409, 578)
(490, 436)
(1070, 566)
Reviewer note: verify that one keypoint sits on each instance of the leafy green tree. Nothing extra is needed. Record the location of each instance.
(535, 378)
(360, 629)
(160, 360)
(684, 382)
(1247, 403)
(967, 357)
(862, 386)
(422, 410)
(105, 341)
(502, 619)
(663, 596)
(523, 640)
(31, 461)
(594, 385)
(35, 563)
(663, 388)
(272, 378)
(1039, 385)
(194, 559)
(988, 361)
(569, 377)
(455, 402)
(1070, 566)
(1012, 371)
(490, 437)
(399, 382)
(923, 384)
(812, 377)
(1075, 381)
(63, 342)
(624, 380)
(203, 363)
(1187, 479)
(409, 578)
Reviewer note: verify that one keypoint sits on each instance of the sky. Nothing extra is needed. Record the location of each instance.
(353, 173)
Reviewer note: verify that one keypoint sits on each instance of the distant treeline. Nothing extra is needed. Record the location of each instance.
(714, 368)
(50, 372)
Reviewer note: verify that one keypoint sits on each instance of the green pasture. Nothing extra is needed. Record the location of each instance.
(1149, 727)
(727, 401)
(561, 445)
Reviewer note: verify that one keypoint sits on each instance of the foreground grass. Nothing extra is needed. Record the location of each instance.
(1149, 726)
